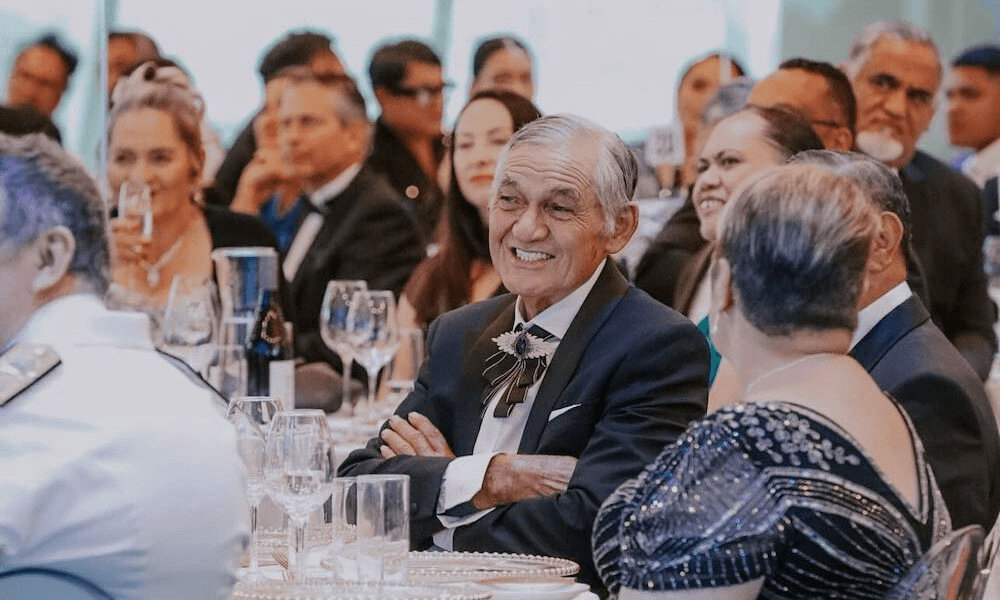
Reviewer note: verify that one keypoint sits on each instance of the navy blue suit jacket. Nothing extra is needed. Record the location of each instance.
(909, 357)
(630, 375)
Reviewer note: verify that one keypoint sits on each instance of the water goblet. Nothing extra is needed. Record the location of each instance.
(374, 335)
(189, 327)
(299, 470)
(333, 325)
(252, 416)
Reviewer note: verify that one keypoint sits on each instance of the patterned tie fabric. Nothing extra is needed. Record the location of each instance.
(519, 362)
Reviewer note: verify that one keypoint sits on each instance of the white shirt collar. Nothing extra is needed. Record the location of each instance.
(983, 164)
(333, 188)
(82, 319)
(869, 316)
(557, 318)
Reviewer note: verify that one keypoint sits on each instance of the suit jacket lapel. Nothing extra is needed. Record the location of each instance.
(478, 349)
(900, 321)
(607, 291)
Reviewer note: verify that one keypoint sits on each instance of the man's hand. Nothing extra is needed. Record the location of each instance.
(515, 477)
(414, 436)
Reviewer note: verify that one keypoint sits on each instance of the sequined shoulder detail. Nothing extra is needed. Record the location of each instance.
(758, 490)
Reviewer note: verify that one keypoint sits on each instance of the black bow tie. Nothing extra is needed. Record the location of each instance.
(520, 360)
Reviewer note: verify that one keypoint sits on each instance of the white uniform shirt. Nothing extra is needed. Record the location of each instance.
(464, 476)
(117, 467)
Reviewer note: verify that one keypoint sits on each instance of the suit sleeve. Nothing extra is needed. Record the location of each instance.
(942, 407)
(658, 386)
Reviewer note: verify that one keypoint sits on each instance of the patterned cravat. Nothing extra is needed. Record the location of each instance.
(519, 362)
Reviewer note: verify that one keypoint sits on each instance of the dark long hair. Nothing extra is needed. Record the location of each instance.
(442, 282)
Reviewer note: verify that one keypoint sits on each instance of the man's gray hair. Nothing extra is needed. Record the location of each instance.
(41, 187)
(797, 238)
(872, 33)
(615, 172)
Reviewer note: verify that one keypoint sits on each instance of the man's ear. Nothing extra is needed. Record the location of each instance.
(54, 250)
(625, 226)
(886, 243)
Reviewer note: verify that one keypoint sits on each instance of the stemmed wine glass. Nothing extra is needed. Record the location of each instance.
(333, 324)
(299, 469)
(188, 329)
(252, 416)
(374, 335)
(135, 203)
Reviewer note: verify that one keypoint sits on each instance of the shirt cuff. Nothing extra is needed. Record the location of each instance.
(463, 478)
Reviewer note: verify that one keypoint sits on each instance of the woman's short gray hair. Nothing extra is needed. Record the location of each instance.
(42, 186)
(615, 173)
(797, 239)
(872, 33)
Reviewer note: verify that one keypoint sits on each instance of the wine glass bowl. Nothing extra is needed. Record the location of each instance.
(189, 327)
(135, 201)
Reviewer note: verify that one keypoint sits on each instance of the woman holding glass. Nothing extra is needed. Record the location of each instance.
(815, 485)
(154, 142)
(740, 145)
(461, 271)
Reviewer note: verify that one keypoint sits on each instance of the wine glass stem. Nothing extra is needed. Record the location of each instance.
(296, 558)
(253, 538)
(346, 395)
(372, 384)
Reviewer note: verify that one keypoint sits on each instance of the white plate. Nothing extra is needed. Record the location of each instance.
(511, 590)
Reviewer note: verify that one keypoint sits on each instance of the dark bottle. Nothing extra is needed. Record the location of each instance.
(270, 368)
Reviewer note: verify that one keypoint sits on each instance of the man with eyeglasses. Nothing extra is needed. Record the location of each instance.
(408, 145)
(816, 90)
(895, 70)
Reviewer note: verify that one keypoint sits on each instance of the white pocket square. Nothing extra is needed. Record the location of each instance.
(562, 410)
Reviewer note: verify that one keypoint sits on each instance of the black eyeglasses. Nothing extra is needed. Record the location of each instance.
(423, 94)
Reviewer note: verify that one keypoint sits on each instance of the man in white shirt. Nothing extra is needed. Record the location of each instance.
(118, 466)
(534, 406)
(357, 226)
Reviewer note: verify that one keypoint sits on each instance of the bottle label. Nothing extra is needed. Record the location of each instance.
(282, 382)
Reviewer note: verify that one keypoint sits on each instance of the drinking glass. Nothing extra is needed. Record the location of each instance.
(402, 371)
(252, 416)
(189, 328)
(383, 527)
(299, 471)
(333, 325)
(374, 335)
(135, 201)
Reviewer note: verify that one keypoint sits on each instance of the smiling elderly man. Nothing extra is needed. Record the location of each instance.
(534, 406)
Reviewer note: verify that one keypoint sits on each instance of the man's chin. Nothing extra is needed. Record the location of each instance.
(880, 146)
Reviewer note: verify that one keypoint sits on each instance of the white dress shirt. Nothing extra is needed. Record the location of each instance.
(983, 165)
(869, 316)
(464, 476)
(307, 231)
(117, 467)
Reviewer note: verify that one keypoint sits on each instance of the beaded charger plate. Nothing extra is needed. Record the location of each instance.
(482, 566)
(325, 590)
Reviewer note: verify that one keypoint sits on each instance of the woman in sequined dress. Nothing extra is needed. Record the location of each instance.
(815, 485)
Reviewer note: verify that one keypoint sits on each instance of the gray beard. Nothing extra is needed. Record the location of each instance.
(879, 145)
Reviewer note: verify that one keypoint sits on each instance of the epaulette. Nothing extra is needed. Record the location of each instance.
(22, 366)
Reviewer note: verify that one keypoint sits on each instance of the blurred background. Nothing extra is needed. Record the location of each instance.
(616, 62)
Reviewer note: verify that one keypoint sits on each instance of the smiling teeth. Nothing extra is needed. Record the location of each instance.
(710, 203)
(528, 256)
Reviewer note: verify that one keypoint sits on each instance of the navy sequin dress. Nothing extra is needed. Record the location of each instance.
(769, 490)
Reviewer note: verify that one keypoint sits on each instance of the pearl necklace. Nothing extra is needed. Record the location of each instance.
(785, 367)
(153, 269)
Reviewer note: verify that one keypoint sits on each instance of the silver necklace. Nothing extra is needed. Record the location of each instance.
(153, 269)
(785, 367)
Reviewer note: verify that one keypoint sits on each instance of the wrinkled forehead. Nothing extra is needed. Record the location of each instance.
(565, 165)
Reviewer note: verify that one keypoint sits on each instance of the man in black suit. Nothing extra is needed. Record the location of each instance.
(356, 226)
(499, 461)
(909, 357)
(895, 70)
